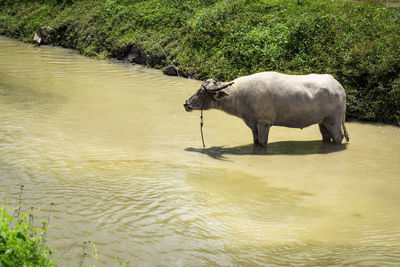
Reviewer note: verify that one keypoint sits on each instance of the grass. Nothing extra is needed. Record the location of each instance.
(357, 42)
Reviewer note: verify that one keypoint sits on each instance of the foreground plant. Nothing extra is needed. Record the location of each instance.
(20, 243)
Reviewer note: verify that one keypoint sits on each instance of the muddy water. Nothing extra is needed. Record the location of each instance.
(112, 147)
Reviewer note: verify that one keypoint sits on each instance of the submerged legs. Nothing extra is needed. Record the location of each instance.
(260, 132)
(254, 129)
(263, 131)
(326, 137)
(331, 131)
(255, 135)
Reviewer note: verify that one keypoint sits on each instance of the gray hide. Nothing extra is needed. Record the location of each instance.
(265, 99)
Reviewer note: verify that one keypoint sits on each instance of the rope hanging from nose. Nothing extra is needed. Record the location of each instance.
(201, 128)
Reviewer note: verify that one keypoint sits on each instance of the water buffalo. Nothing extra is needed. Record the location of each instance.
(265, 99)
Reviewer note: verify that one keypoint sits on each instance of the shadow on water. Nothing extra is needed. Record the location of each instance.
(274, 148)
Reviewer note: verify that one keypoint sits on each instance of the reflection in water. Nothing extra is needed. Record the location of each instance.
(274, 148)
(112, 146)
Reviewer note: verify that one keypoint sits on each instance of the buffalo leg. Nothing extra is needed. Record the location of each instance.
(338, 138)
(326, 137)
(336, 132)
(255, 136)
(263, 131)
(253, 126)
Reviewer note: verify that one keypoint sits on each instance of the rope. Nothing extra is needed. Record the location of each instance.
(201, 128)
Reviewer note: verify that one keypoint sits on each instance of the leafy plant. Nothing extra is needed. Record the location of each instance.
(20, 243)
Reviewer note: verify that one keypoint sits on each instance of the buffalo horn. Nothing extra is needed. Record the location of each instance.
(220, 87)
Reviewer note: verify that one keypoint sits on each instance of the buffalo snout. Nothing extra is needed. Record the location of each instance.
(187, 106)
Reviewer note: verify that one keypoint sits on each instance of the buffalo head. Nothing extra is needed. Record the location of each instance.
(210, 91)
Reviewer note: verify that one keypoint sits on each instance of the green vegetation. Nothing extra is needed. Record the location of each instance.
(23, 244)
(20, 243)
(357, 42)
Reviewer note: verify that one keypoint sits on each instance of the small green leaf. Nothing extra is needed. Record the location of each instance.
(21, 236)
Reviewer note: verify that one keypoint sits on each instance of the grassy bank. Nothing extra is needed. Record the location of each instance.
(357, 42)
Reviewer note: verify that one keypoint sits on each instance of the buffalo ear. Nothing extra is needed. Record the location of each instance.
(218, 95)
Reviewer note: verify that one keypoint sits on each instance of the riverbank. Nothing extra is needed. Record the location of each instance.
(358, 43)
